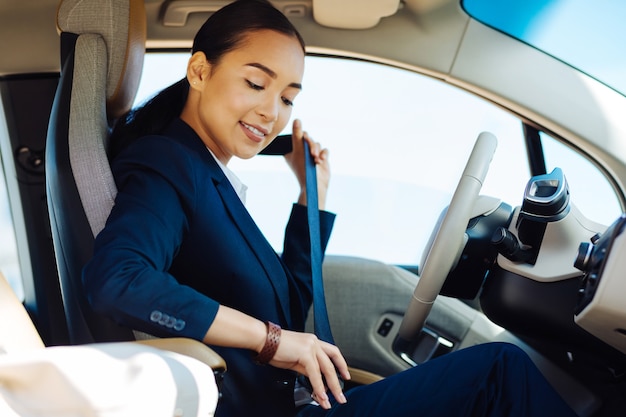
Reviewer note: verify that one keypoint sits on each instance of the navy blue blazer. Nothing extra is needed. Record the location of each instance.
(179, 242)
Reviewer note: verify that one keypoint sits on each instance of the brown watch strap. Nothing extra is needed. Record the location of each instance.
(271, 344)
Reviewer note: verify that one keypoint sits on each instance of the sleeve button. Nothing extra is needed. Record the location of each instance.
(155, 316)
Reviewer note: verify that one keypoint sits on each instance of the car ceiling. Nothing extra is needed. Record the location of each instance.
(433, 27)
(434, 37)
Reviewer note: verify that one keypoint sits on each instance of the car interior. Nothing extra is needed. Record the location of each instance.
(537, 272)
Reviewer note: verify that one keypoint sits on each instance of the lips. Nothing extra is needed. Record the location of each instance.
(255, 133)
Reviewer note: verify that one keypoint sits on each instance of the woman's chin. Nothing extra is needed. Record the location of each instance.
(248, 153)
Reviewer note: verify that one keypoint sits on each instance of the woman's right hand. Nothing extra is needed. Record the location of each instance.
(318, 360)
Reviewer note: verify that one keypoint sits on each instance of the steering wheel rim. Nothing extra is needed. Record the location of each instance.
(448, 238)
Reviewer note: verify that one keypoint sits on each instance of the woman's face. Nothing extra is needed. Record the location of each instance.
(241, 104)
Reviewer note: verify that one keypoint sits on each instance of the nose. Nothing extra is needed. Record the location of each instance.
(269, 108)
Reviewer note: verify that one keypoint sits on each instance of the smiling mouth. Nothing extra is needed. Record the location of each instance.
(254, 130)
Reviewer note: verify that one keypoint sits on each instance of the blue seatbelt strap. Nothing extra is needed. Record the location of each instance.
(320, 314)
(281, 146)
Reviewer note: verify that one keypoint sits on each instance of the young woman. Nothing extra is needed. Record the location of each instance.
(180, 255)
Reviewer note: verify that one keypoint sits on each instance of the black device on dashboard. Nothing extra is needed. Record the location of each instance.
(546, 200)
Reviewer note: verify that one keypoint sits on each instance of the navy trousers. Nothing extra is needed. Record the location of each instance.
(494, 380)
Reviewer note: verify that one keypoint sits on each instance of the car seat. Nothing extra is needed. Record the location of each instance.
(102, 48)
(102, 51)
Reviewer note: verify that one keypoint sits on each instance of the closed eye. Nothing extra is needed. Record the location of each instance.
(255, 86)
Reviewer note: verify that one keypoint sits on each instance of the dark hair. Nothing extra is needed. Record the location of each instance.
(221, 33)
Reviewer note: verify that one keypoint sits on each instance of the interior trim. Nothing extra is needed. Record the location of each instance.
(362, 377)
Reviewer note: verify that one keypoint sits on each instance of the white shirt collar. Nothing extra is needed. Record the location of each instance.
(240, 187)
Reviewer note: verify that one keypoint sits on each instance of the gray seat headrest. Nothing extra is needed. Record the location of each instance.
(122, 25)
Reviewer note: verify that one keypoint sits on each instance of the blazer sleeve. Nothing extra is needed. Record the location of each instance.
(127, 278)
(297, 254)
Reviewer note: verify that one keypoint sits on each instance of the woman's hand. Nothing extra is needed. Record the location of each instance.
(309, 356)
(301, 352)
(295, 160)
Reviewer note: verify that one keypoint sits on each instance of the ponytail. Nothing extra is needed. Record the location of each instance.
(149, 119)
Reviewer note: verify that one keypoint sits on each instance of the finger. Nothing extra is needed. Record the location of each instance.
(338, 360)
(314, 147)
(323, 156)
(318, 387)
(296, 130)
(315, 151)
(332, 380)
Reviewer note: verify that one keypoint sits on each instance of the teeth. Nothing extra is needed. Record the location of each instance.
(253, 130)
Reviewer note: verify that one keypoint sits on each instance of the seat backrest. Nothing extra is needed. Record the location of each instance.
(102, 51)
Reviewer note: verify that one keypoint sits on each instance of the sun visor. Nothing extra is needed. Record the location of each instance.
(353, 14)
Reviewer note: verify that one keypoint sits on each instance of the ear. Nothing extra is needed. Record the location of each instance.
(198, 70)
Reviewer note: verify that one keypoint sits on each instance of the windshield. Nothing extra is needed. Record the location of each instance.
(586, 35)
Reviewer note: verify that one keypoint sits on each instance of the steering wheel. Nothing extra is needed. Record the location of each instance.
(448, 238)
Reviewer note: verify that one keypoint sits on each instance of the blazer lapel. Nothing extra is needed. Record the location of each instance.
(252, 234)
(260, 246)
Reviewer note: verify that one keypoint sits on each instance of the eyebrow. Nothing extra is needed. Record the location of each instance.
(271, 73)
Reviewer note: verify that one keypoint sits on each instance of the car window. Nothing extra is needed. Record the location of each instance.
(398, 144)
(590, 190)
